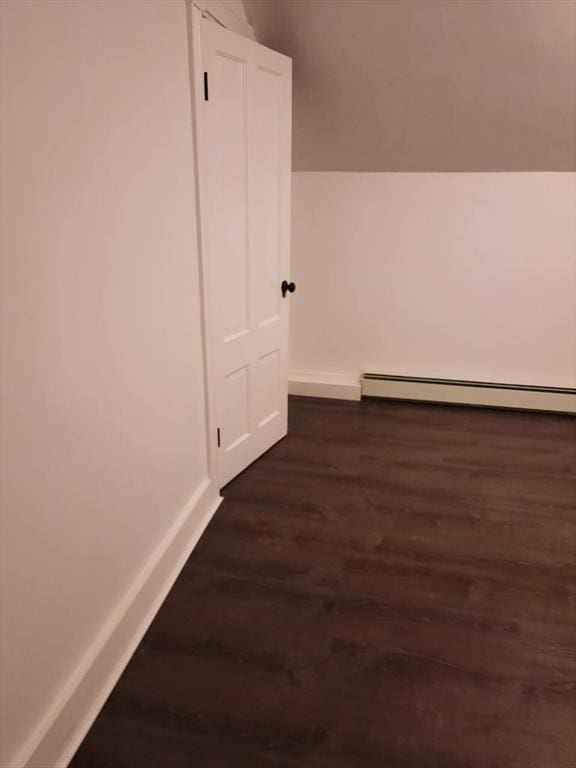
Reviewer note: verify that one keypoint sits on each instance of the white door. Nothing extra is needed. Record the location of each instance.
(246, 113)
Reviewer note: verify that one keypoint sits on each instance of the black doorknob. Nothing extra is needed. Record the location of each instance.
(287, 288)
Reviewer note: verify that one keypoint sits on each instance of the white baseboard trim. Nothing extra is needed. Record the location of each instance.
(556, 399)
(341, 386)
(61, 731)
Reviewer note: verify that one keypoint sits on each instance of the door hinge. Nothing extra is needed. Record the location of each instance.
(205, 86)
(218, 436)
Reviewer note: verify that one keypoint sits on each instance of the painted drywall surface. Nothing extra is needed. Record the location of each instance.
(463, 276)
(428, 85)
(102, 396)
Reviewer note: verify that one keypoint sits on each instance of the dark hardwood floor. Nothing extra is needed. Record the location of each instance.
(391, 586)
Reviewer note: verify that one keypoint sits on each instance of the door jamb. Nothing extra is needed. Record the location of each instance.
(194, 20)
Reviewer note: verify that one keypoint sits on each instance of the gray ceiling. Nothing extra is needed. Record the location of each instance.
(428, 85)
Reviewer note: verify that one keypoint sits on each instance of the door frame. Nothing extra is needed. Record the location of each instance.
(194, 17)
(225, 16)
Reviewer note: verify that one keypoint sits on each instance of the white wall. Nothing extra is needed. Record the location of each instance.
(428, 85)
(103, 416)
(453, 275)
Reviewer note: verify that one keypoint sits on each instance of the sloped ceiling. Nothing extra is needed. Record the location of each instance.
(428, 85)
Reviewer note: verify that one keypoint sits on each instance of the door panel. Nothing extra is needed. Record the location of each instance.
(267, 387)
(236, 408)
(229, 246)
(246, 204)
(266, 141)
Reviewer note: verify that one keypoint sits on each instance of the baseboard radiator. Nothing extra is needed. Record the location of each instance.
(555, 399)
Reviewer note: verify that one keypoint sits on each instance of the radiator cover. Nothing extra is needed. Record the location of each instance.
(521, 396)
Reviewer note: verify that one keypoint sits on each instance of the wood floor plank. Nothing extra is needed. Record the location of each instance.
(391, 586)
